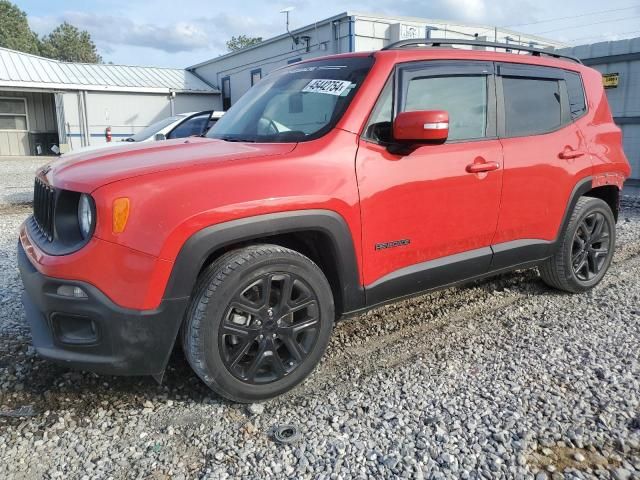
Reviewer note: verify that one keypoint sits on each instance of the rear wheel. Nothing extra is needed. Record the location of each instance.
(258, 323)
(586, 249)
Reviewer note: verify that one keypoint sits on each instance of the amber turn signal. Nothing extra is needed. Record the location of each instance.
(120, 214)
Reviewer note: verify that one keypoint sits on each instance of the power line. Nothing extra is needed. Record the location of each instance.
(571, 16)
(588, 24)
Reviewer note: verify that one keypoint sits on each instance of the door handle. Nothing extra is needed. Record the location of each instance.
(482, 167)
(569, 153)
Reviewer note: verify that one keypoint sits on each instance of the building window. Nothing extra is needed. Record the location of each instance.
(256, 76)
(226, 93)
(293, 60)
(13, 114)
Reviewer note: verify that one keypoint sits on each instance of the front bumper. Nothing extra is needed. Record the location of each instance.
(93, 333)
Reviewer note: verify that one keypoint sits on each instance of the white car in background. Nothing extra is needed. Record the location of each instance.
(177, 126)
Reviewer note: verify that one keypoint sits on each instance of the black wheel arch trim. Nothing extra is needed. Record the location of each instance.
(582, 187)
(202, 244)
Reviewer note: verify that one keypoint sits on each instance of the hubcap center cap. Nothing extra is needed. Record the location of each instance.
(269, 323)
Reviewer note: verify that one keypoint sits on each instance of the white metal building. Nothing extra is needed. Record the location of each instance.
(46, 103)
(234, 73)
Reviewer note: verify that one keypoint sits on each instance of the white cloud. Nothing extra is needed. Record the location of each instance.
(472, 10)
(490, 12)
(182, 36)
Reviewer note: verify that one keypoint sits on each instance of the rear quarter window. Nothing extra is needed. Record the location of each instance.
(575, 90)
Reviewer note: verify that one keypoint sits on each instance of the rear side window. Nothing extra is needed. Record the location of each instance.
(532, 106)
(575, 90)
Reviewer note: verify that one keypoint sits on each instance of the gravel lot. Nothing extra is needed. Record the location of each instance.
(502, 379)
(17, 178)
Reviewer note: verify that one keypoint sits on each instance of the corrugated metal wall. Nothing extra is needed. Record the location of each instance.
(621, 57)
(41, 119)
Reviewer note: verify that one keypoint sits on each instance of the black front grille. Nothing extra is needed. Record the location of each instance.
(44, 208)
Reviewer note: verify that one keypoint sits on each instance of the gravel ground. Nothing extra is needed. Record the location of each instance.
(17, 178)
(502, 379)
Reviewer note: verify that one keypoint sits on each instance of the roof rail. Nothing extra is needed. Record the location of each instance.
(439, 42)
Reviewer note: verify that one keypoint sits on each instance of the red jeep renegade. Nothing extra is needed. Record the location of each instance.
(332, 186)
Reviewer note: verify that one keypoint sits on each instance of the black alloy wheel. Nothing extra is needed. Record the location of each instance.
(591, 246)
(270, 326)
(584, 249)
(259, 321)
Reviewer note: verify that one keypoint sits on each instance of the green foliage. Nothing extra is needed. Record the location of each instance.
(66, 42)
(14, 29)
(69, 44)
(242, 41)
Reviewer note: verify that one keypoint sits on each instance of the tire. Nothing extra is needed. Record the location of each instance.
(581, 243)
(258, 323)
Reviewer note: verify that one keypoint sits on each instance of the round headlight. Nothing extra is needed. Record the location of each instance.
(85, 215)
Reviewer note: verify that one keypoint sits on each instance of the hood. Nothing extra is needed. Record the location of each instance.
(86, 171)
(92, 148)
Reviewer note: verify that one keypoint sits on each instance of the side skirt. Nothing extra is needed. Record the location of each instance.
(455, 270)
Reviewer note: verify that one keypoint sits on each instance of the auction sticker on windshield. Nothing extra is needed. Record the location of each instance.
(329, 87)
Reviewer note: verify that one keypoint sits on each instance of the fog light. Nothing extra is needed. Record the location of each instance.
(74, 329)
(72, 291)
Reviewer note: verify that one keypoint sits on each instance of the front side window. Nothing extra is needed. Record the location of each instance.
(193, 126)
(463, 97)
(13, 114)
(294, 104)
(379, 127)
(531, 106)
(152, 129)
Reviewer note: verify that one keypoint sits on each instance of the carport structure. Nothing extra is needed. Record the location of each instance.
(46, 105)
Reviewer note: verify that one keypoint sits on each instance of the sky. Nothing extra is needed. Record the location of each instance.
(180, 33)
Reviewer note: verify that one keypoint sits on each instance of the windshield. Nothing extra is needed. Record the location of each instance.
(295, 104)
(152, 129)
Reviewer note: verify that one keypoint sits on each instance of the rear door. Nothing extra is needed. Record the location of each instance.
(427, 220)
(544, 155)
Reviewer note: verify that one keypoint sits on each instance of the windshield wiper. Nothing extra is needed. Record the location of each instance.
(237, 139)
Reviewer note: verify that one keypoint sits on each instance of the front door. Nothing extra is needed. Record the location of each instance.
(426, 219)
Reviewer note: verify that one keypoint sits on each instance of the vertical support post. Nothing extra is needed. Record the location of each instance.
(87, 132)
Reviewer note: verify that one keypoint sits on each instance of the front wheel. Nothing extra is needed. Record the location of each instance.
(585, 251)
(259, 322)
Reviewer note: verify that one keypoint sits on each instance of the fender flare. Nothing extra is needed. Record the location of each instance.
(580, 188)
(203, 243)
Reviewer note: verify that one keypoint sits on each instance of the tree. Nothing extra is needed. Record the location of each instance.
(14, 29)
(69, 44)
(242, 41)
